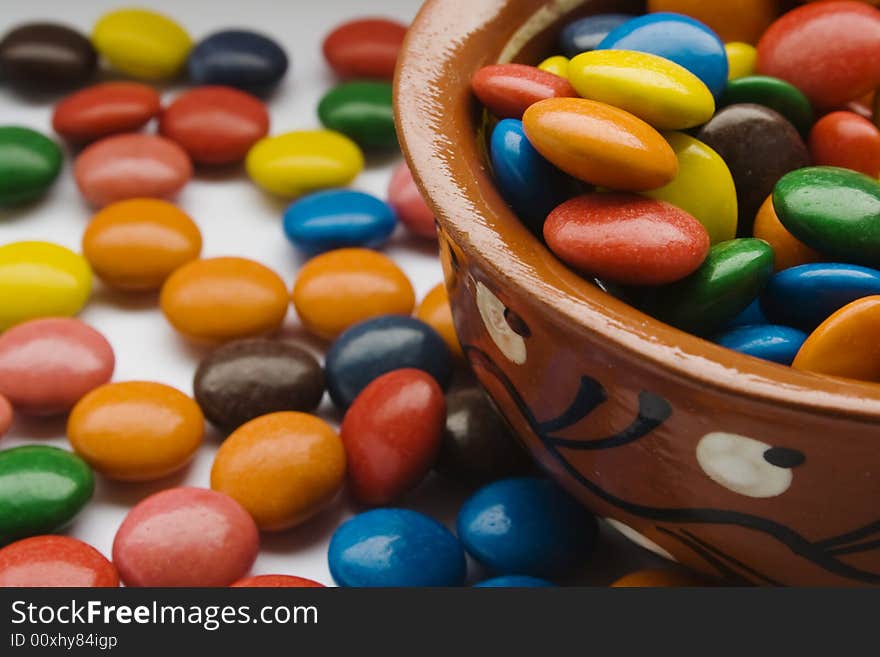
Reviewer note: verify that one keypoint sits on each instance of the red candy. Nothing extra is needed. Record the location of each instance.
(845, 139)
(5, 415)
(277, 582)
(507, 90)
(828, 50)
(365, 48)
(215, 125)
(408, 203)
(47, 365)
(185, 537)
(105, 109)
(58, 561)
(131, 166)
(627, 239)
(391, 434)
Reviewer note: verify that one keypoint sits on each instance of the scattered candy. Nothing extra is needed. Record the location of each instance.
(141, 43)
(364, 48)
(48, 365)
(136, 430)
(215, 125)
(43, 489)
(29, 164)
(41, 279)
(46, 56)
(526, 526)
(435, 311)
(283, 468)
(55, 561)
(238, 58)
(276, 582)
(222, 299)
(409, 204)
(128, 166)
(362, 111)
(514, 581)
(395, 547)
(340, 288)
(185, 537)
(374, 347)
(105, 109)
(338, 218)
(245, 379)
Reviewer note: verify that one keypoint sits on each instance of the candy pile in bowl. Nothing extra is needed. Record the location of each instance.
(728, 189)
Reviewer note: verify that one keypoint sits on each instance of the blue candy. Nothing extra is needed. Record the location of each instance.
(376, 346)
(751, 316)
(806, 295)
(679, 38)
(395, 547)
(587, 33)
(238, 58)
(338, 218)
(530, 184)
(514, 581)
(778, 344)
(526, 526)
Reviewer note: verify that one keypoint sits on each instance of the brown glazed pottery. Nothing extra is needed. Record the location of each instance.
(730, 465)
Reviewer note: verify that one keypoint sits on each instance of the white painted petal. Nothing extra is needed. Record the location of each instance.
(511, 344)
(737, 463)
(639, 539)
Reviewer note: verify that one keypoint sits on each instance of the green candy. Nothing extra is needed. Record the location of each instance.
(774, 93)
(41, 490)
(361, 110)
(835, 211)
(730, 278)
(29, 163)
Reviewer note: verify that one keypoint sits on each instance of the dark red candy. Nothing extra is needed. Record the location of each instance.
(215, 124)
(828, 50)
(105, 109)
(277, 582)
(507, 90)
(845, 139)
(55, 561)
(626, 238)
(392, 433)
(365, 48)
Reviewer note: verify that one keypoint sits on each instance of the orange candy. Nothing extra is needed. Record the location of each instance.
(436, 312)
(733, 20)
(846, 343)
(659, 577)
(282, 467)
(340, 288)
(137, 244)
(222, 299)
(136, 430)
(788, 251)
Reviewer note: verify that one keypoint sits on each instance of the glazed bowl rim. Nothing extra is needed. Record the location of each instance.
(430, 79)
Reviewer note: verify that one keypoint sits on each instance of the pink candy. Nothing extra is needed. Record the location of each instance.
(407, 201)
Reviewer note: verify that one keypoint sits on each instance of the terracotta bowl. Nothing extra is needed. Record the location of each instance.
(733, 466)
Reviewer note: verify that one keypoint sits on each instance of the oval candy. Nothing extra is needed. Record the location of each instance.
(557, 65)
(185, 537)
(276, 582)
(215, 125)
(778, 344)
(847, 140)
(295, 163)
(29, 164)
(600, 144)
(128, 166)
(409, 205)
(774, 93)
(41, 279)
(391, 433)
(514, 581)
(141, 43)
(361, 110)
(338, 218)
(364, 48)
(282, 467)
(243, 59)
(245, 379)
(393, 548)
(741, 59)
(136, 430)
(48, 365)
(105, 109)
(376, 346)
(587, 33)
(55, 561)
(46, 56)
(507, 90)
(340, 288)
(788, 251)
(43, 489)
(6, 415)
(221, 299)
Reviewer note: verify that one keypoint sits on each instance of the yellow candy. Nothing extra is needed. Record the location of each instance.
(141, 43)
(703, 187)
(659, 91)
(741, 59)
(299, 162)
(40, 279)
(557, 65)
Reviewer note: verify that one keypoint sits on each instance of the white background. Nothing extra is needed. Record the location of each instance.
(236, 219)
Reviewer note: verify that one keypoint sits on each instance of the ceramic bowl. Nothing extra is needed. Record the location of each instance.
(730, 465)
